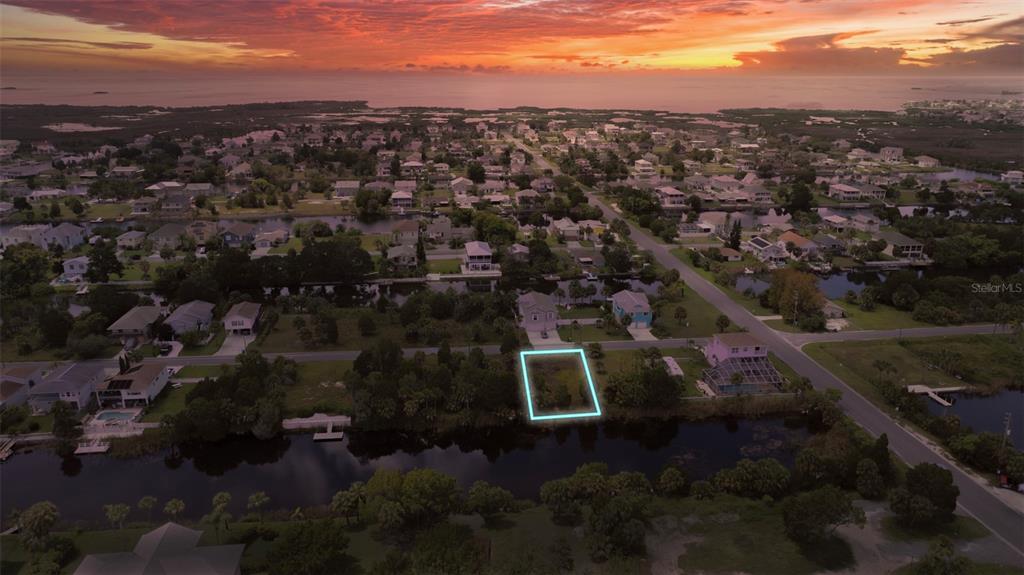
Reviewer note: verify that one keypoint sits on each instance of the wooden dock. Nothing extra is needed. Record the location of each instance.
(7, 448)
(92, 447)
(329, 435)
(933, 393)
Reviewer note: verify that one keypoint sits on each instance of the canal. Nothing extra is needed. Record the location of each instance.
(987, 412)
(296, 471)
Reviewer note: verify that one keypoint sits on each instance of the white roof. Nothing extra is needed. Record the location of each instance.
(478, 249)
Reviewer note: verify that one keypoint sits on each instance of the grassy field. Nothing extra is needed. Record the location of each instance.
(9, 352)
(690, 360)
(752, 304)
(170, 401)
(992, 360)
(552, 372)
(962, 528)
(883, 317)
(700, 317)
(319, 390)
(107, 211)
(447, 266)
(134, 272)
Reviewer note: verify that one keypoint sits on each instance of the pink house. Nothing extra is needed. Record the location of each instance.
(727, 346)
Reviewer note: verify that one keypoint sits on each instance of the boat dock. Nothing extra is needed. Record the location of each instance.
(329, 435)
(92, 447)
(7, 448)
(933, 392)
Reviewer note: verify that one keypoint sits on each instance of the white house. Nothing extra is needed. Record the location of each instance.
(71, 383)
(477, 257)
(537, 312)
(134, 388)
(242, 318)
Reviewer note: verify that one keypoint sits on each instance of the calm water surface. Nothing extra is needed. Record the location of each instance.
(294, 470)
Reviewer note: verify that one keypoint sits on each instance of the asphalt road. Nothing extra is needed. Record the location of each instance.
(977, 500)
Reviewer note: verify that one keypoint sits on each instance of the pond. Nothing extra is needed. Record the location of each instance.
(834, 286)
(294, 470)
(987, 412)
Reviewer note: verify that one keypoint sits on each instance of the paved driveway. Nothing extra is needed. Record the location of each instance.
(641, 334)
(551, 341)
(233, 345)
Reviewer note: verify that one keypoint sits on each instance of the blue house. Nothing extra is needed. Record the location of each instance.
(632, 308)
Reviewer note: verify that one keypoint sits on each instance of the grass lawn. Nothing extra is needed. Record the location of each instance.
(133, 272)
(369, 242)
(579, 312)
(883, 317)
(781, 325)
(748, 536)
(752, 304)
(9, 352)
(588, 333)
(690, 360)
(319, 390)
(107, 211)
(209, 348)
(447, 266)
(991, 360)
(190, 371)
(170, 401)
(291, 244)
(700, 317)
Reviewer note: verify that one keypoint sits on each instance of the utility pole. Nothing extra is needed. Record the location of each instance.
(1007, 418)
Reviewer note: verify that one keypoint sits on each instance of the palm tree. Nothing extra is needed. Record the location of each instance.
(174, 508)
(117, 513)
(146, 504)
(257, 501)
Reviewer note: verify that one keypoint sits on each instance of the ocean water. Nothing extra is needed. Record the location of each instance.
(669, 92)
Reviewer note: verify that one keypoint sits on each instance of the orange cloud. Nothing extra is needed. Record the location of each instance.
(483, 36)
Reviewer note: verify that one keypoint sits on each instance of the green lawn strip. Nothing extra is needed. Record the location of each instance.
(107, 211)
(9, 353)
(133, 272)
(446, 266)
(781, 325)
(209, 348)
(579, 312)
(170, 401)
(588, 333)
(882, 317)
(190, 371)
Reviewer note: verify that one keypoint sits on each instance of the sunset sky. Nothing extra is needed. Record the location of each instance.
(530, 36)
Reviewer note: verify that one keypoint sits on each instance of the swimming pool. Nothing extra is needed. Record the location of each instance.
(115, 416)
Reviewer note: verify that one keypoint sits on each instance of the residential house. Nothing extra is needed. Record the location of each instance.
(242, 318)
(537, 312)
(902, 247)
(406, 232)
(167, 550)
(797, 245)
(126, 172)
(199, 189)
(66, 235)
(196, 315)
(927, 162)
(402, 199)
(519, 252)
(891, 154)
(740, 365)
(144, 206)
(829, 244)
(76, 267)
(670, 198)
(346, 188)
(133, 326)
(565, 228)
(236, 234)
(131, 240)
(136, 387)
(865, 223)
(72, 383)
(836, 222)
(176, 204)
(201, 231)
(403, 256)
(729, 254)
(271, 238)
(168, 236)
(632, 308)
(462, 186)
(439, 229)
(477, 257)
